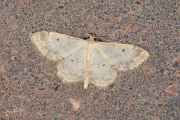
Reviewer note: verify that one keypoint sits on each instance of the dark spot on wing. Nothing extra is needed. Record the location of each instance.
(123, 50)
(103, 64)
(57, 39)
(72, 60)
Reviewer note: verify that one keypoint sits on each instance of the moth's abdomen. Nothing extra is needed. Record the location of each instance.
(89, 51)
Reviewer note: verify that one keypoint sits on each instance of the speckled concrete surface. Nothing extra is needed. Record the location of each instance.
(30, 89)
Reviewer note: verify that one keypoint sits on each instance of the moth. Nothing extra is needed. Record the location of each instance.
(88, 61)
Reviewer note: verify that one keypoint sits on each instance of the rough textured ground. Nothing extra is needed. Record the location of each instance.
(30, 89)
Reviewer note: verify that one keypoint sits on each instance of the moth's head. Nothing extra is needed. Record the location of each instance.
(90, 38)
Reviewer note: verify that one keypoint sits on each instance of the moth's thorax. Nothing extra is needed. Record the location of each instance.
(90, 47)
